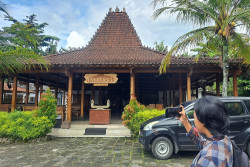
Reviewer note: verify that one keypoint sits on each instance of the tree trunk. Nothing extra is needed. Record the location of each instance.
(225, 67)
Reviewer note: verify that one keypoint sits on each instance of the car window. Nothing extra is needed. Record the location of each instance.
(247, 103)
(235, 108)
(190, 111)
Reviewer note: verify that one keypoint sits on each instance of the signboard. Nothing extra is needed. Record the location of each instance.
(100, 79)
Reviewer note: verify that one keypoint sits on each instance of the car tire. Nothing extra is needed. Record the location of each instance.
(248, 149)
(162, 148)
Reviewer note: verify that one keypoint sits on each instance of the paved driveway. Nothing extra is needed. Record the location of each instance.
(86, 152)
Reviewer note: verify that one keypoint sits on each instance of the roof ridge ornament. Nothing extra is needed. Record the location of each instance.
(123, 9)
(117, 9)
(110, 9)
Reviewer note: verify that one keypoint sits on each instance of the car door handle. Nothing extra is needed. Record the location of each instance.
(245, 121)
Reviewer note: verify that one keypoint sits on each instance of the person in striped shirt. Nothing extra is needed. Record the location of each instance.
(211, 121)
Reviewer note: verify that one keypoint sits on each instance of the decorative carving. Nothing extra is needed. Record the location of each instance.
(67, 71)
(100, 107)
(190, 72)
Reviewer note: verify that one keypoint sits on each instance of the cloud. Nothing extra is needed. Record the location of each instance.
(75, 40)
(76, 21)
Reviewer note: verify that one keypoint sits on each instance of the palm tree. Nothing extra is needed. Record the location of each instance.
(161, 47)
(225, 15)
(3, 7)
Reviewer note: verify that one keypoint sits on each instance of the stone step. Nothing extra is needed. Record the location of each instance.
(84, 126)
(79, 132)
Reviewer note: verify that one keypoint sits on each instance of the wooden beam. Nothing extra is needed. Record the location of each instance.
(1, 89)
(37, 89)
(82, 97)
(27, 93)
(132, 84)
(70, 87)
(180, 89)
(14, 94)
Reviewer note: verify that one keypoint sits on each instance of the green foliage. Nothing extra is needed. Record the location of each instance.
(225, 15)
(22, 44)
(30, 124)
(23, 125)
(141, 117)
(161, 47)
(29, 35)
(243, 86)
(47, 106)
(135, 114)
(130, 110)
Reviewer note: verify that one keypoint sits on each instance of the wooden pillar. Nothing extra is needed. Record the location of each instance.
(188, 87)
(63, 97)
(204, 90)
(180, 89)
(56, 90)
(235, 87)
(78, 92)
(217, 86)
(27, 92)
(82, 97)
(41, 91)
(132, 84)
(70, 87)
(174, 103)
(14, 94)
(37, 90)
(197, 91)
(1, 89)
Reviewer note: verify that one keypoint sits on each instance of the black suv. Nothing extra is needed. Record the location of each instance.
(163, 136)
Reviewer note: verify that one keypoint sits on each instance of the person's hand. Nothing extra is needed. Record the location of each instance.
(183, 118)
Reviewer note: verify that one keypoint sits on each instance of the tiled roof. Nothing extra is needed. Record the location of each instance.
(117, 43)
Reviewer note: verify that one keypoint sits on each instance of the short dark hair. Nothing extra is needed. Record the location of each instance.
(212, 112)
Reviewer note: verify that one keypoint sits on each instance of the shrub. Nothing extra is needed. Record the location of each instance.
(30, 124)
(131, 109)
(47, 106)
(23, 125)
(141, 117)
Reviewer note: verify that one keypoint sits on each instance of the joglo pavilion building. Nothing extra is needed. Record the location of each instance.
(113, 68)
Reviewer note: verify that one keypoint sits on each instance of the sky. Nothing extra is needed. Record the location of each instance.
(76, 21)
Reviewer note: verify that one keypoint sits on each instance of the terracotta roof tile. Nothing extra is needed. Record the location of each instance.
(117, 43)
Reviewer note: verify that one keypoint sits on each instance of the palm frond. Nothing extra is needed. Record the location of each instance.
(3, 7)
(188, 40)
(19, 60)
(195, 11)
(240, 44)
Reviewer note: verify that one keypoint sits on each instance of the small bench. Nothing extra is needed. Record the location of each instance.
(29, 108)
(5, 107)
(60, 110)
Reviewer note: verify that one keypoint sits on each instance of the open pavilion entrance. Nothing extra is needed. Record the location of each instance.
(116, 49)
